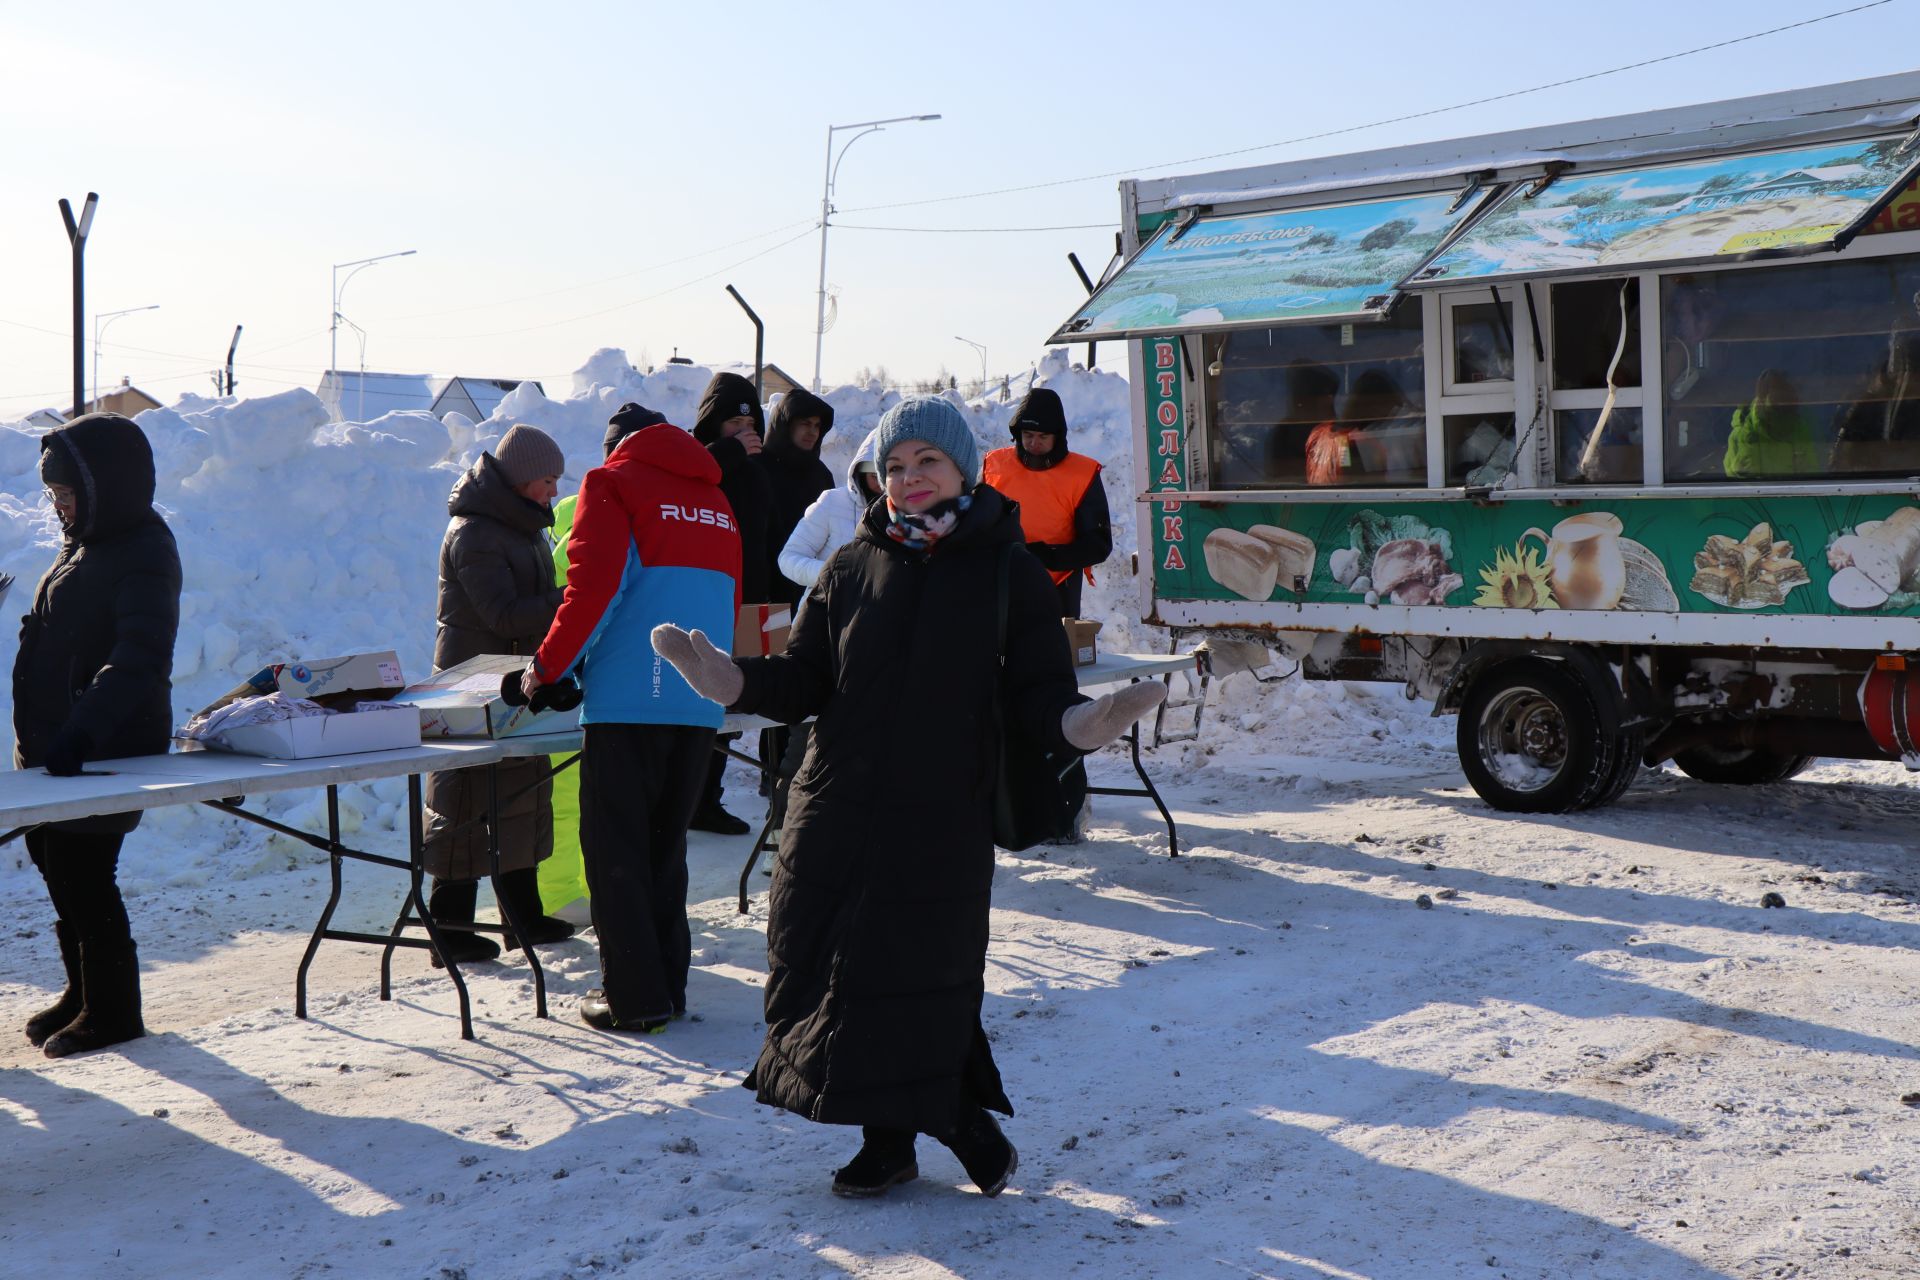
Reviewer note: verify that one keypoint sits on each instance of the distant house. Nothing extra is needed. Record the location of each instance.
(775, 381)
(125, 399)
(353, 396)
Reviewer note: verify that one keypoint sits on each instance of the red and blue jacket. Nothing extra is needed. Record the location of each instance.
(653, 541)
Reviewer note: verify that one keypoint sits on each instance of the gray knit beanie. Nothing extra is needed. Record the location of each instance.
(528, 453)
(936, 421)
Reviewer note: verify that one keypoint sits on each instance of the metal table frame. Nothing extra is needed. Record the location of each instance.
(1112, 668)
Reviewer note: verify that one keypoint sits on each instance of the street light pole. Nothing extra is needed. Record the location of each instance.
(333, 326)
(826, 213)
(982, 349)
(100, 323)
(77, 229)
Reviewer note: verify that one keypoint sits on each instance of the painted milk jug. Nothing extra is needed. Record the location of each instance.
(1584, 564)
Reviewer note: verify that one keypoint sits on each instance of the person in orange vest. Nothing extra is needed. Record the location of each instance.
(1063, 504)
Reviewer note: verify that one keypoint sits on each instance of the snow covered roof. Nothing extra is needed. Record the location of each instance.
(348, 393)
(1847, 110)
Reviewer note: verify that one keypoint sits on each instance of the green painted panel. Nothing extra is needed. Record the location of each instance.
(1841, 556)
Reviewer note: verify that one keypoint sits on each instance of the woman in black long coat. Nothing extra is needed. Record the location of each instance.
(94, 681)
(878, 924)
(497, 595)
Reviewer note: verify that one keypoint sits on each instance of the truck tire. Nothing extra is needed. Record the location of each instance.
(1530, 740)
(1740, 766)
(1627, 765)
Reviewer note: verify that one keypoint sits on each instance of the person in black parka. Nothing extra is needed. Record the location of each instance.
(93, 681)
(878, 918)
(791, 460)
(730, 423)
(796, 475)
(497, 595)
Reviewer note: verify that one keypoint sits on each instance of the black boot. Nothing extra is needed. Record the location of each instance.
(885, 1160)
(984, 1151)
(520, 891)
(110, 986)
(452, 904)
(67, 1007)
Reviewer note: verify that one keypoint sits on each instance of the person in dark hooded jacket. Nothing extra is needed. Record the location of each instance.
(791, 460)
(497, 595)
(1063, 503)
(878, 919)
(730, 423)
(796, 474)
(93, 681)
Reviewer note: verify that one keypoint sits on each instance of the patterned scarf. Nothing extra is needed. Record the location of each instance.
(924, 531)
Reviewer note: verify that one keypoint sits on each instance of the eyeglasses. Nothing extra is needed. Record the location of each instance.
(61, 495)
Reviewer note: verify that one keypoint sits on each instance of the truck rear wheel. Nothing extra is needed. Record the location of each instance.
(1531, 741)
(1740, 766)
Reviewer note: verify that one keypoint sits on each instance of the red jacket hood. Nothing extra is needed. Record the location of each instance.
(670, 449)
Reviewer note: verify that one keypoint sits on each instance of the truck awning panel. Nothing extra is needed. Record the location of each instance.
(1765, 204)
(1322, 265)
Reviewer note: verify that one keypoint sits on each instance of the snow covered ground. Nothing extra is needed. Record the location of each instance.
(1593, 1054)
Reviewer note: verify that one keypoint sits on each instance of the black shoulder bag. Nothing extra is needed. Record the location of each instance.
(1037, 793)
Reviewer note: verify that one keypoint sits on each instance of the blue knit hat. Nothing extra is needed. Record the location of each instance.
(936, 421)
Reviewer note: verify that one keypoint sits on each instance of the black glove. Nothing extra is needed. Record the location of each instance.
(562, 695)
(68, 752)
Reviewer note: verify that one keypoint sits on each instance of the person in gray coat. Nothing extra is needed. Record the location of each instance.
(497, 595)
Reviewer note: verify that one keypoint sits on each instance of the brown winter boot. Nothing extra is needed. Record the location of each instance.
(67, 1007)
(110, 985)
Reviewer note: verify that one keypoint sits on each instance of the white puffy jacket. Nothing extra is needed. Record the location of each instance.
(829, 523)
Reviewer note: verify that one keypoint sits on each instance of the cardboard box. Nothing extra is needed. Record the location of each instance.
(338, 683)
(1080, 638)
(761, 630)
(464, 702)
(388, 729)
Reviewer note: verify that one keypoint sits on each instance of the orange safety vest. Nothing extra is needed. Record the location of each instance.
(1047, 498)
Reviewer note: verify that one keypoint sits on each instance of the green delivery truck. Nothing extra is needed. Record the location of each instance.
(1605, 437)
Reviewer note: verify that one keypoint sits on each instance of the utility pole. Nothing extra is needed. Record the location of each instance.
(77, 238)
(100, 323)
(231, 348)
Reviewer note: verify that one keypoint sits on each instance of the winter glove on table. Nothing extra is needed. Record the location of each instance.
(1092, 725)
(710, 672)
(68, 752)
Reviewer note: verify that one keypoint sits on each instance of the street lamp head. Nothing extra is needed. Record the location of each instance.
(931, 117)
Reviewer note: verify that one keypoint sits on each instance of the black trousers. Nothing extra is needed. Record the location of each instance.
(1069, 592)
(79, 869)
(638, 787)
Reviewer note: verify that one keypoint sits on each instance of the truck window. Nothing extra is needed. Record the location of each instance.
(1802, 372)
(1596, 381)
(1318, 405)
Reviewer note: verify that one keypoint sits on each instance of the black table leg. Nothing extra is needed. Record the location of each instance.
(319, 931)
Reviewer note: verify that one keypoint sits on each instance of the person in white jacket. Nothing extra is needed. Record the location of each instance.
(831, 519)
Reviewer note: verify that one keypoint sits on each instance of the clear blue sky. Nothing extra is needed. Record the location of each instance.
(549, 163)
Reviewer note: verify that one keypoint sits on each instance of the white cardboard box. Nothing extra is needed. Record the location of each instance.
(354, 678)
(464, 702)
(347, 733)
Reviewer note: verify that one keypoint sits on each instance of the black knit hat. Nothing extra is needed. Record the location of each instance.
(627, 419)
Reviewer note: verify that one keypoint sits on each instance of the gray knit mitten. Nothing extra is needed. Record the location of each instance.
(1092, 725)
(710, 672)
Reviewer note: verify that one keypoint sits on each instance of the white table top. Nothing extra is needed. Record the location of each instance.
(29, 796)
